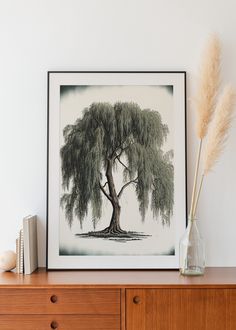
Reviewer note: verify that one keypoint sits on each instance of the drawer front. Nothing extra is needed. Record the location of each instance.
(59, 301)
(185, 309)
(63, 322)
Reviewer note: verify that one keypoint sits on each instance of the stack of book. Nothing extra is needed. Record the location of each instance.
(27, 246)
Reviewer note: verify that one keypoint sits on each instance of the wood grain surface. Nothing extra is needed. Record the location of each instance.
(126, 300)
(181, 309)
(63, 322)
(214, 277)
(68, 301)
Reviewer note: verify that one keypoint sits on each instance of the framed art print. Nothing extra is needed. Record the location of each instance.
(116, 192)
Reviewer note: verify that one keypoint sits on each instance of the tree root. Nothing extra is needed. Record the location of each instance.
(110, 231)
(114, 233)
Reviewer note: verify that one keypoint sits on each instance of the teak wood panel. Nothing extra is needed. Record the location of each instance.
(213, 277)
(185, 309)
(66, 301)
(63, 322)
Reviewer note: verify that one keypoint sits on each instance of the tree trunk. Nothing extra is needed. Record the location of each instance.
(114, 226)
(115, 219)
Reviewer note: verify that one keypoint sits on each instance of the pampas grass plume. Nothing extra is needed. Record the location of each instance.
(209, 80)
(219, 129)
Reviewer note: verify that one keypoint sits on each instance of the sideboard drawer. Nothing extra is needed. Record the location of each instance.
(63, 322)
(59, 301)
(195, 309)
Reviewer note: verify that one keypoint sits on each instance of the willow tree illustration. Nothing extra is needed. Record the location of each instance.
(108, 138)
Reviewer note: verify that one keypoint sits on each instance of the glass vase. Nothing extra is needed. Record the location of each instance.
(192, 250)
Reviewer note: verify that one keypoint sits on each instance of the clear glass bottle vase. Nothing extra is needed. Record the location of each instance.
(192, 250)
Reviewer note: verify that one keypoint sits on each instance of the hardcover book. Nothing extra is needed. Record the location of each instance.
(30, 244)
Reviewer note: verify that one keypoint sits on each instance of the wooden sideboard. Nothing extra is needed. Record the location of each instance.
(112, 300)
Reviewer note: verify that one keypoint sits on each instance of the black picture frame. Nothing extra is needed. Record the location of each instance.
(55, 260)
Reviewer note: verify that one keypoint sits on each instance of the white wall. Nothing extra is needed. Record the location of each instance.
(36, 36)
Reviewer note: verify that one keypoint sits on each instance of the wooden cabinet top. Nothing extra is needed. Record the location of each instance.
(213, 277)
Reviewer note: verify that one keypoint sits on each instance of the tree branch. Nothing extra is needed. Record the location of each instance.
(126, 185)
(104, 184)
(123, 164)
(114, 154)
(123, 149)
(104, 192)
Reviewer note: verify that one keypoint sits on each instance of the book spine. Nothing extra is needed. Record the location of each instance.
(21, 269)
(17, 256)
(26, 246)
